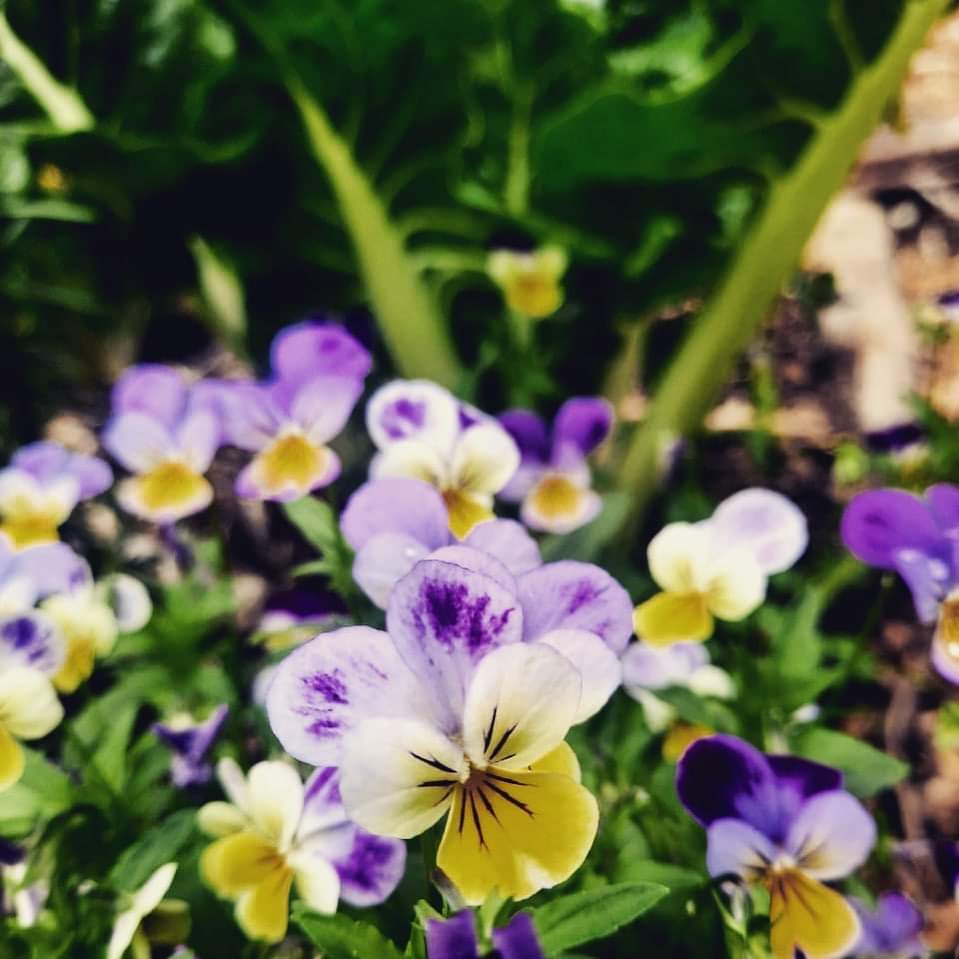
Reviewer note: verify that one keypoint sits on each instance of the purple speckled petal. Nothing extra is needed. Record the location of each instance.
(308, 349)
(328, 685)
(321, 406)
(573, 595)
(453, 938)
(322, 804)
(583, 421)
(444, 619)
(396, 505)
(383, 561)
(517, 939)
(159, 392)
(33, 640)
(878, 524)
(371, 868)
(657, 667)
(413, 409)
(52, 568)
(509, 542)
(891, 929)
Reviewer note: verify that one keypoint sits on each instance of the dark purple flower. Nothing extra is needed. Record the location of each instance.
(553, 480)
(455, 938)
(190, 742)
(891, 930)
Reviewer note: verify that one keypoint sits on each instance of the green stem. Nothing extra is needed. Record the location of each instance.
(410, 321)
(766, 259)
(66, 109)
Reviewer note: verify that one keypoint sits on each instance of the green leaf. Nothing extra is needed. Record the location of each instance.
(339, 937)
(316, 520)
(867, 770)
(573, 920)
(43, 791)
(159, 845)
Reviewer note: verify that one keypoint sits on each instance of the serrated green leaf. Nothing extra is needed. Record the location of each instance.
(340, 937)
(867, 770)
(585, 916)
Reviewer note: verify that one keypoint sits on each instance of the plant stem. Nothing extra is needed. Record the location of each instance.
(766, 259)
(410, 321)
(66, 109)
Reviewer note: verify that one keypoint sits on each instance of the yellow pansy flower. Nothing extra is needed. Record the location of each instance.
(530, 281)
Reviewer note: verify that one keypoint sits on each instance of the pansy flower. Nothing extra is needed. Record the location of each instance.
(917, 538)
(717, 569)
(455, 938)
(421, 432)
(393, 523)
(890, 930)
(28, 575)
(649, 668)
(530, 281)
(785, 824)
(553, 479)
(41, 487)
(165, 433)
(189, 742)
(275, 832)
(460, 710)
(128, 929)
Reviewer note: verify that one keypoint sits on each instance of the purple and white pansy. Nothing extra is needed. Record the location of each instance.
(165, 433)
(456, 938)
(919, 539)
(553, 481)
(394, 523)
(189, 742)
(422, 432)
(41, 487)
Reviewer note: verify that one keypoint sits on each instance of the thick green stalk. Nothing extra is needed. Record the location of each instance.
(768, 256)
(66, 109)
(409, 319)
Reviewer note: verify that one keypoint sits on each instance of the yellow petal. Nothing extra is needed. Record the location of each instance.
(32, 530)
(168, 492)
(11, 759)
(292, 463)
(466, 511)
(809, 916)
(263, 911)
(561, 760)
(78, 664)
(516, 833)
(238, 862)
(670, 618)
(681, 737)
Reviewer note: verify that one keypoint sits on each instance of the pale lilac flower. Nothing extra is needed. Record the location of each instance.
(41, 487)
(553, 480)
(422, 432)
(393, 523)
(190, 741)
(166, 434)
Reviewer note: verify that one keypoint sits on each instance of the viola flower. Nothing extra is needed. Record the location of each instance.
(649, 668)
(166, 434)
(421, 433)
(553, 479)
(891, 930)
(717, 569)
(190, 741)
(90, 616)
(293, 616)
(274, 832)
(127, 929)
(530, 281)
(785, 824)
(393, 523)
(41, 487)
(894, 530)
(30, 574)
(455, 938)
(303, 351)
(461, 707)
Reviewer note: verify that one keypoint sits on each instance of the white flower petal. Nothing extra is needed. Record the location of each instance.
(678, 555)
(221, 819)
(129, 600)
(712, 681)
(276, 800)
(413, 409)
(412, 459)
(124, 929)
(317, 881)
(29, 707)
(383, 561)
(736, 585)
(234, 783)
(151, 893)
(484, 460)
(598, 666)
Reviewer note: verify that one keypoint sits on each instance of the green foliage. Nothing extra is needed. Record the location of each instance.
(343, 938)
(319, 525)
(867, 770)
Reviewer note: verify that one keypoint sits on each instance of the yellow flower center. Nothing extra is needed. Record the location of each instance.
(465, 511)
(555, 496)
(29, 520)
(170, 484)
(291, 460)
(533, 294)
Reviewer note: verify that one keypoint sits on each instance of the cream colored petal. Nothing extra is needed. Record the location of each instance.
(221, 819)
(317, 882)
(737, 585)
(234, 783)
(484, 459)
(29, 707)
(151, 893)
(411, 459)
(276, 801)
(678, 557)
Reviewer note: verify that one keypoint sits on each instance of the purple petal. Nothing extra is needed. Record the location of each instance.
(198, 437)
(572, 595)
(509, 542)
(328, 685)
(529, 432)
(943, 500)
(31, 639)
(395, 505)
(249, 415)
(322, 405)
(308, 349)
(736, 848)
(657, 667)
(52, 568)
(831, 835)
(43, 460)
(322, 805)
(444, 619)
(371, 869)
(584, 422)
(517, 939)
(476, 561)
(453, 938)
(383, 562)
(137, 441)
(879, 523)
(929, 576)
(891, 929)
(157, 391)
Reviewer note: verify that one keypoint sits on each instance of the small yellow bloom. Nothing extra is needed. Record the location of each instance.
(170, 490)
(530, 281)
(33, 513)
(29, 709)
(681, 737)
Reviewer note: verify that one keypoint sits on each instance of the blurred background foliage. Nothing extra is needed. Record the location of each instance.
(642, 135)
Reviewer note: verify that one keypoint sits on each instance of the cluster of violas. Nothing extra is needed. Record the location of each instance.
(458, 710)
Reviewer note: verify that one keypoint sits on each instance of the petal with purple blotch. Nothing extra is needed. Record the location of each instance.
(573, 595)
(52, 568)
(413, 409)
(312, 348)
(584, 421)
(444, 619)
(371, 868)
(32, 640)
(396, 505)
(328, 685)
